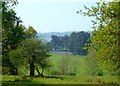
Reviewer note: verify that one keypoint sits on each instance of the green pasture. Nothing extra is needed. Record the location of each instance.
(76, 59)
(60, 80)
(81, 76)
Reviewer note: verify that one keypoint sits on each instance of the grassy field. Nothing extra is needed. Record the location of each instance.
(61, 80)
(71, 60)
(81, 76)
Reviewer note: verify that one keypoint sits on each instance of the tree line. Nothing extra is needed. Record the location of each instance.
(74, 43)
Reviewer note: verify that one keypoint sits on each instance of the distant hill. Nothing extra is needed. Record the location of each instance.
(47, 36)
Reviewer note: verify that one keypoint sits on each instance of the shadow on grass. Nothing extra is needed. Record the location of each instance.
(28, 81)
(52, 77)
(20, 83)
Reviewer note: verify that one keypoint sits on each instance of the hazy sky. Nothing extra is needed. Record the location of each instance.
(54, 15)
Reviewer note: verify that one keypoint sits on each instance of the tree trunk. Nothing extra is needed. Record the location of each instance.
(38, 72)
(42, 71)
(32, 69)
(32, 66)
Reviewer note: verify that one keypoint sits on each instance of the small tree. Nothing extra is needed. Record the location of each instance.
(63, 65)
(91, 62)
(73, 65)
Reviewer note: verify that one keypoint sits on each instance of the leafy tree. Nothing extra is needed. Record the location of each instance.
(91, 62)
(106, 34)
(30, 32)
(49, 46)
(59, 42)
(63, 65)
(54, 42)
(20, 46)
(65, 40)
(32, 52)
(73, 65)
(12, 34)
(77, 41)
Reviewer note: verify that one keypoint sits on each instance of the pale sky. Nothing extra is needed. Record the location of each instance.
(54, 15)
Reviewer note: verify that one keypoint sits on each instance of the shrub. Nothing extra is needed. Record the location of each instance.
(24, 77)
(89, 80)
(98, 80)
(100, 73)
(72, 74)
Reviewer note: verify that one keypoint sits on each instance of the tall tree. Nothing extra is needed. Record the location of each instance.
(91, 62)
(77, 41)
(12, 34)
(65, 41)
(55, 42)
(106, 34)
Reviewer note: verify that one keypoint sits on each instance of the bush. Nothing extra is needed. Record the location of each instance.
(24, 77)
(100, 73)
(72, 74)
(98, 80)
